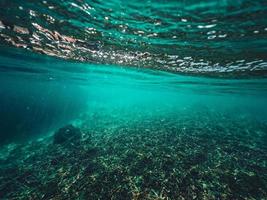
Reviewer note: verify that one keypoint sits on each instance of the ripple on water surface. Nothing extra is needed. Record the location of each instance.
(210, 37)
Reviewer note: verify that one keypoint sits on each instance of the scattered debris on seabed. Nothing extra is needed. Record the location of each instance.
(190, 156)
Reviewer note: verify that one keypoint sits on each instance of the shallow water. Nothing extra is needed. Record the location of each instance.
(167, 103)
(145, 134)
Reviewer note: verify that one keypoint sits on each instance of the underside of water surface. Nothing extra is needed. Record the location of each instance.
(196, 37)
(141, 100)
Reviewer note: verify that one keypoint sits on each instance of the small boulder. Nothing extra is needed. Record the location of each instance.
(67, 133)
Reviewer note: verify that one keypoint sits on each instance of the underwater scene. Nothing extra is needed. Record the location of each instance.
(133, 100)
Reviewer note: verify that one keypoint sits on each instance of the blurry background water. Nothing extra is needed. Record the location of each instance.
(39, 93)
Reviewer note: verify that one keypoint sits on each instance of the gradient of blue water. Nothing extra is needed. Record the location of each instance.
(40, 94)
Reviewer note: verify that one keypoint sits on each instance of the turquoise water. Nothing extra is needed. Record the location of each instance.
(40, 94)
(145, 134)
(222, 38)
(133, 100)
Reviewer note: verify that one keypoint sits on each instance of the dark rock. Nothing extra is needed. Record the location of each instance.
(68, 133)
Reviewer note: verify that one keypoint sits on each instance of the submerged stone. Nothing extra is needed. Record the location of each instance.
(68, 133)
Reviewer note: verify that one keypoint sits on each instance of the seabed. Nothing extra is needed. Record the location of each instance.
(198, 155)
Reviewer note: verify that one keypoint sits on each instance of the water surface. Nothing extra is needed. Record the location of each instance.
(222, 38)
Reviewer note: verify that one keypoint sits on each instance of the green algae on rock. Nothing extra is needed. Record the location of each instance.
(68, 133)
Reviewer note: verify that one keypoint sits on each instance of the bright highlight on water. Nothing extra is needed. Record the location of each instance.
(225, 38)
(133, 100)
